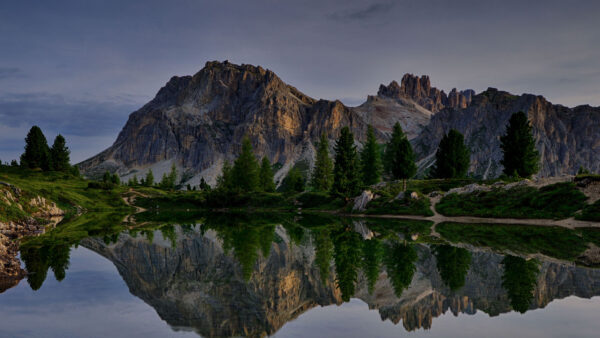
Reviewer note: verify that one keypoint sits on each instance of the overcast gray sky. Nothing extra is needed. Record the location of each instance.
(80, 67)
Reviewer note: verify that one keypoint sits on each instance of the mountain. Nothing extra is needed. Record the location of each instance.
(197, 123)
(566, 138)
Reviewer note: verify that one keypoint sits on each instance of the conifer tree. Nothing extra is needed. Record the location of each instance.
(225, 180)
(36, 153)
(203, 185)
(266, 176)
(452, 157)
(370, 159)
(149, 181)
(107, 177)
(114, 179)
(346, 168)
(294, 181)
(322, 174)
(245, 169)
(518, 145)
(399, 156)
(59, 154)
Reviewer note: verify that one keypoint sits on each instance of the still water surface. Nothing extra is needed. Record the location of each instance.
(296, 278)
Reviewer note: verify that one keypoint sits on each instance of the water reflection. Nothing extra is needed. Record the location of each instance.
(250, 274)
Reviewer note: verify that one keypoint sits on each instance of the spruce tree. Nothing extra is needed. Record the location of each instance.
(59, 154)
(294, 181)
(266, 176)
(203, 185)
(452, 157)
(149, 181)
(225, 180)
(245, 169)
(107, 177)
(399, 156)
(518, 145)
(322, 174)
(36, 153)
(346, 168)
(370, 159)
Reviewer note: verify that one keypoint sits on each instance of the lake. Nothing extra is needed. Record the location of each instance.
(304, 276)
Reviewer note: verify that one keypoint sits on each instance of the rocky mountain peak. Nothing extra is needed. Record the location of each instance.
(419, 90)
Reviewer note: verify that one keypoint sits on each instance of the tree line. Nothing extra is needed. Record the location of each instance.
(351, 170)
(39, 156)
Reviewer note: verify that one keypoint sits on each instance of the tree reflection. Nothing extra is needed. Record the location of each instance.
(519, 280)
(346, 253)
(452, 264)
(38, 259)
(323, 252)
(372, 252)
(399, 260)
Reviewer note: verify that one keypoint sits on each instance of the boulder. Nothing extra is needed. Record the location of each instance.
(360, 202)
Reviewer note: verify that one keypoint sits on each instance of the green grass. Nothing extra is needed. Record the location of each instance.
(590, 212)
(555, 242)
(556, 201)
(63, 189)
(387, 205)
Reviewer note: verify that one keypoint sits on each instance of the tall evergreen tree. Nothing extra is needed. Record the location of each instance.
(346, 168)
(59, 154)
(452, 157)
(294, 181)
(36, 153)
(322, 175)
(225, 180)
(370, 159)
(399, 156)
(518, 145)
(149, 181)
(266, 176)
(245, 169)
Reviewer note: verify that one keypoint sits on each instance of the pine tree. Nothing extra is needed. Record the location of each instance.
(245, 169)
(399, 156)
(36, 153)
(294, 181)
(149, 181)
(59, 154)
(322, 175)
(452, 157)
(203, 185)
(370, 159)
(518, 145)
(115, 179)
(346, 168)
(266, 176)
(225, 180)
(107, 177)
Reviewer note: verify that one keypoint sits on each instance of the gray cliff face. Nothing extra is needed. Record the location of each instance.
(198, 285)
(567, 138)
(197, 123)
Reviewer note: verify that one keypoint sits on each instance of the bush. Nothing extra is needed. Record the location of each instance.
(101, 185)
(386, 204)
(590, 212)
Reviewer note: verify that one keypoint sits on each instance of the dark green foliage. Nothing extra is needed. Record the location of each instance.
(319, 200)
(583, 171)
(323, 252)
(372, 258)
(59, 155)
(107, 177)
(149, 180)
(294, 181)
(385, 204)
(345, 171)
(101, 185)
(133, 181)
(560, 200)
(168, 180)
(519, 280)
(38, 259)
(399, 260)
(14, 163)
(203, 185)
(245, 171)
(590, 212)
(518, 145)
(346, 253)
(266, 182)
(322, 175)
(399, 158)
(37, 153)
(225, 180)
(555, 242)
(452, 157)
(115, 179)
(452, 264)
(370, 159)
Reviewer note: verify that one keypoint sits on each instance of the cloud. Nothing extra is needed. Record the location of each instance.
(363, 13)
(10, 72)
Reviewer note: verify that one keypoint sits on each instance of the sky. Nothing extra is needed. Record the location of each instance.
(79, 68)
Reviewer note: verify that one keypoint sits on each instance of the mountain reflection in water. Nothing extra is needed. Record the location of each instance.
(250, 274)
